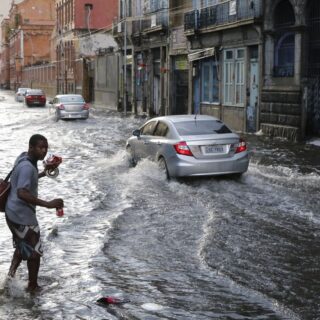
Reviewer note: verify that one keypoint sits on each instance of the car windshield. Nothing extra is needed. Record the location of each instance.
(71, 99)
(199, 127)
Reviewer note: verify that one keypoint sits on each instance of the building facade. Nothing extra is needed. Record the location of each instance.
(25, 37)
(142, 35)
(290, 104)
(82, 38)
(178, 82)
(225, 60)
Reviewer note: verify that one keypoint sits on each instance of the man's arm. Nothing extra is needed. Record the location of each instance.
(27, 196)
(41, 174)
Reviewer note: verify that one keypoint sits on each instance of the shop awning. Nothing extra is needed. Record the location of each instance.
(201, 54)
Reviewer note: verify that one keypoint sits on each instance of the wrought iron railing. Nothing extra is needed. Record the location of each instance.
(223, 13)
(150, 20)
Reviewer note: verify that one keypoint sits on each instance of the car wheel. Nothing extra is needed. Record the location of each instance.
(163, 167)
(130, 157)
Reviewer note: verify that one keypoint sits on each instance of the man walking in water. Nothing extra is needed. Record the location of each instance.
(21, 209)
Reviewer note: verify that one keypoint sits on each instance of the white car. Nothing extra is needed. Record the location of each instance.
(21, 93)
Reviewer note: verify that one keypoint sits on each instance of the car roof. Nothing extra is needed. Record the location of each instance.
(186, 117)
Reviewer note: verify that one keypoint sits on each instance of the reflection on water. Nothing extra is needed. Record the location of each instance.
(193, 249)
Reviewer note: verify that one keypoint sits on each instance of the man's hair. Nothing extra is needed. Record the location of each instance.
(36, 138)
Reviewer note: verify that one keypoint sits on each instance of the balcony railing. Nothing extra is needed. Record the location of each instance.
(118, 28)
(150, 21)
(222, 13)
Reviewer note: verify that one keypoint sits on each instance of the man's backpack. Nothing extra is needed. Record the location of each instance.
(4, 191)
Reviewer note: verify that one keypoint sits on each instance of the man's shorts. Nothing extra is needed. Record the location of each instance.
(26, 239)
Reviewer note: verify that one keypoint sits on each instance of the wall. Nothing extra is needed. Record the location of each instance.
(106, 86)
(40, 77)
(97, 19)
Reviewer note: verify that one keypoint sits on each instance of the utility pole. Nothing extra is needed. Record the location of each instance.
(125, 58)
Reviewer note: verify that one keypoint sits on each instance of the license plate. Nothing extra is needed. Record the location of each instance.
(213, 149)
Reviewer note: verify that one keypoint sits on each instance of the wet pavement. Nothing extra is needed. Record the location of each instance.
(209, 248)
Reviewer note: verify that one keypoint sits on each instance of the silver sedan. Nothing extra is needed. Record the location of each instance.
(189, 145)
(70, 106)
(19, 96)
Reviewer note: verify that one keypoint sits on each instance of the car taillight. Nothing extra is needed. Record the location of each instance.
(182, 148)
(42, 97)
(241, 146)
(85, 106)
(61, 106)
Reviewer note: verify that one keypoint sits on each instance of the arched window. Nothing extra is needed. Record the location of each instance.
(283, 15)
(284, 48)
(284, 55)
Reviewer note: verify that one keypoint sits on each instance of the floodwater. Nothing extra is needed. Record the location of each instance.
(210, 248)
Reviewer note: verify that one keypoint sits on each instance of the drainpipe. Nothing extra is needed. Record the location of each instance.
(125, 58)
(22, 47)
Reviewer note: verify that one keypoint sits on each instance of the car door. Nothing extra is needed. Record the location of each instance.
(158, 140)
(143, 142)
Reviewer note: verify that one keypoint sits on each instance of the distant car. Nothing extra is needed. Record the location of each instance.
(35, 97)
(20, 94)
(189, 145)
(70, 106)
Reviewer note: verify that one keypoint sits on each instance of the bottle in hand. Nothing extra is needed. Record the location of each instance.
(60, 212)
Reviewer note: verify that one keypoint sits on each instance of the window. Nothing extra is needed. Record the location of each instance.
(284, 56)
(161, 130)
(234, 76)
(284, 19)
(148, 129)
(209, 81)
(201, 127)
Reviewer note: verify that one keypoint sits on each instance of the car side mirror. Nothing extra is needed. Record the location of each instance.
(136, 133)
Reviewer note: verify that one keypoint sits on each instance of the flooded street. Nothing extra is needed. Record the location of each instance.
(210, 248)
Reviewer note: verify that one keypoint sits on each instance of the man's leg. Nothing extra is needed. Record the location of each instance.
(16, 260)
(33, 268)
(33, 262)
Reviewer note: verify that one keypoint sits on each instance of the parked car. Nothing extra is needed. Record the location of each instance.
(189, 145)
(35, 97)
(70, 106)
(20, 94)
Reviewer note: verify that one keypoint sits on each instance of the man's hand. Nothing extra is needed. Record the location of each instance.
(27, 196)
(55, 203)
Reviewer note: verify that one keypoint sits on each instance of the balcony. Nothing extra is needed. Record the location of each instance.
(118, 28)
(151, 22)
(222, 14)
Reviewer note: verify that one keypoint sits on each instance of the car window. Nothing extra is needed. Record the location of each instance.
(71, 99)
(199, 127)
(161, 129)
(35, 92)
(148, 128)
